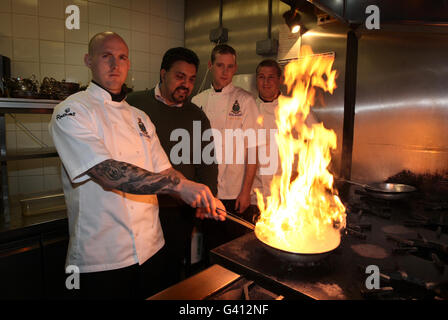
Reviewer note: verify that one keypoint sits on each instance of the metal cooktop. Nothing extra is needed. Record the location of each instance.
(406, 240)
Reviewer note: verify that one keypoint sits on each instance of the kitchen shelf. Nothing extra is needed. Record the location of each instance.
(27, 105)
(14, 105)
(30, 154)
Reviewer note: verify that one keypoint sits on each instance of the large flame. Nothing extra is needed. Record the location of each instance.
(303, 214)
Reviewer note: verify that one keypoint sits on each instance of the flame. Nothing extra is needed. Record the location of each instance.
(303, 214)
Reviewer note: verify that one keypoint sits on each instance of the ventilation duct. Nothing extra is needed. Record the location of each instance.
(353, 12)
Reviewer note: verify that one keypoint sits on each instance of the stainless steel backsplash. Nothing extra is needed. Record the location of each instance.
(401, 113)
(401, 120)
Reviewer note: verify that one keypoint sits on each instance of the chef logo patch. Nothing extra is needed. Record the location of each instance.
(236, 110)
(65, 114)
(142, 127)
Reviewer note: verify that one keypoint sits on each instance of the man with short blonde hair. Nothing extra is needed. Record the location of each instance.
(230, 108)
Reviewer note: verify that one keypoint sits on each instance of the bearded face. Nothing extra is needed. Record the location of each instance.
(178, 82)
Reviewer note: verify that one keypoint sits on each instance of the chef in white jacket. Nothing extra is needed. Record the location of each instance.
(269, 77)
(229, 109)
(113, 168)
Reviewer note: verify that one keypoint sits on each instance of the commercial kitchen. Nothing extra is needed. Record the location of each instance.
(385, 184)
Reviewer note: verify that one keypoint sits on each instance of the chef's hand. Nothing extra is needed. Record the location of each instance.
(220, 212)
(242, 202)
(196, 195)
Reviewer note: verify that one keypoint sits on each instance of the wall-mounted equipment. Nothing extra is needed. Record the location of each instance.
(293, 17)
(269, 46)
(324, 18)
(417, 12)
(220, 34)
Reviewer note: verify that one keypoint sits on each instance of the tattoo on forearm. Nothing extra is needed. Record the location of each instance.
(132, 179)
(111, 170)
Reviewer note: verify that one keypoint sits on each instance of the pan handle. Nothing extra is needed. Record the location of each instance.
(353, 182)
(237, 219)
(365, 186)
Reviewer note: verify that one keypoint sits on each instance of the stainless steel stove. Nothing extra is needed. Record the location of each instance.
(405, 239)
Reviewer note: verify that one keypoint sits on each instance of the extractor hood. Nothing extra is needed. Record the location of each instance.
(391, 11)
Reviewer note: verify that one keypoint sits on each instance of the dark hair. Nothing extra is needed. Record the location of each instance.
(270, 63)
(222, 49)
(179, 54)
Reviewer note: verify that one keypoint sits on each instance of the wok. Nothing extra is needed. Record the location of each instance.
(388, 191)
(294, 257)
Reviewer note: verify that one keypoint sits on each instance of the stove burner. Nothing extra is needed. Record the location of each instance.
(377, 207)
(357, 230)
(428, 250)
(396, 229)
(435, 224)
(400, 286)
(368, 250)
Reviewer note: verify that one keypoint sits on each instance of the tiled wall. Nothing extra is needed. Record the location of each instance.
(33, 35)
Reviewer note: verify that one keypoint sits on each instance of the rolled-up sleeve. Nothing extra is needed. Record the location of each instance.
(74, 134)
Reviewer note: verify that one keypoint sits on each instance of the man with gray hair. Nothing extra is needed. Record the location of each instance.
(113, 168)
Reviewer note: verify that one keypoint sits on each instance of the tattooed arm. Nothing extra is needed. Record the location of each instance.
(123, 176)
(126, 177)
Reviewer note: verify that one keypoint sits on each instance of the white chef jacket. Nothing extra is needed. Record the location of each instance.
(109, 229)
(262, 181)
(232, 108)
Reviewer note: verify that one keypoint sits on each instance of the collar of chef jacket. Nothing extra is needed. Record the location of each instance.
(103, 95)
(227, 89)
(267, 107)
(115, 97)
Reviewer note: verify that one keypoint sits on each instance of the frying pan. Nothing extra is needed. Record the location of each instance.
(294, 257)
(388, 191)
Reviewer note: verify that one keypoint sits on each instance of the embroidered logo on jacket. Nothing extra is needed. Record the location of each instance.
(236, 110)
(142, 127)
(65, 114)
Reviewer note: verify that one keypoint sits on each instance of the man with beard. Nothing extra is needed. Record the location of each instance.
(176, 118)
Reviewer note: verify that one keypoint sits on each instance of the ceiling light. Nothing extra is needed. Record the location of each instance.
(295, 29)
(292, 19)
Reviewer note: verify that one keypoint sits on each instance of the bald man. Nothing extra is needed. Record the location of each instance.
(113, 168)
